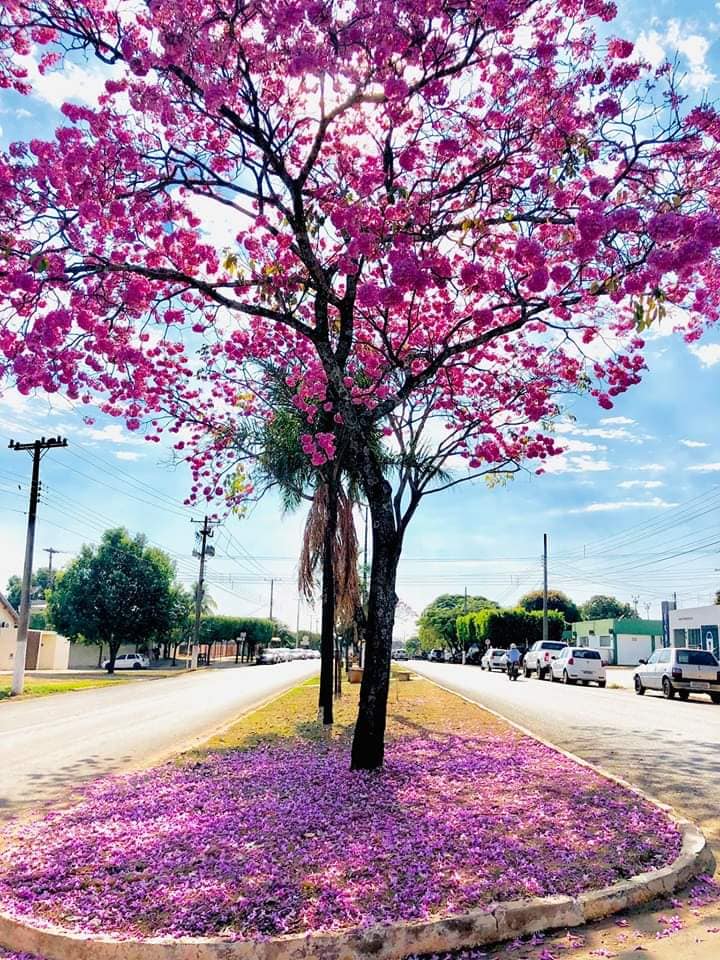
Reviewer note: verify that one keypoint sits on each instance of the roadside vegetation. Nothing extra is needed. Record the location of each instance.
(47, 687)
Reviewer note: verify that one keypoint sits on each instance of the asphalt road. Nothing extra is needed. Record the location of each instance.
(669, 749)
(49, 745)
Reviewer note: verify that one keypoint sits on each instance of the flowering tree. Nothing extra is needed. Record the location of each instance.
(447, 211)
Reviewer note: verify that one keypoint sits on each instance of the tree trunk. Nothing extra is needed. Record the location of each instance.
(100, 655)
(327, 629)
(368, 749)
(113, 652)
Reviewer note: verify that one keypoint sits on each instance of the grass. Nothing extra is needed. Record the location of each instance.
(45, 688)
(417, 707)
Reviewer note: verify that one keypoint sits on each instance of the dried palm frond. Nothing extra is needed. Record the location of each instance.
(344, 552)
(312, 543)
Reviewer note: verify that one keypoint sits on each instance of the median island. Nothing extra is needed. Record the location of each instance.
(266, 832)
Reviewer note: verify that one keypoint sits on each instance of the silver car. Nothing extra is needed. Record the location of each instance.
(681, 670)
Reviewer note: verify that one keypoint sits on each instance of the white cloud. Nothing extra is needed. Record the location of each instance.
(707, 353)
(127, 455)
(653, 467)
(693, 443)
(72, 82)
(656, 503)
(705, 468)
(641, 484)
(111, 433)
(581, 446)
(615, 429)
(656, 47)
(580, 464)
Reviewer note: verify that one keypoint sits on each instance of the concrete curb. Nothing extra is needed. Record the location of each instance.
(394, 941)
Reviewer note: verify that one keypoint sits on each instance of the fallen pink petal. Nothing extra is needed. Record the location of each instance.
(285, 839)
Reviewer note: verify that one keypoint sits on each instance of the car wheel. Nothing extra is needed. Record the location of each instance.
(602, 683)
(667, 689)
(539, 672)
(526, 673)
(683, 694)
(553, 678)
(639, 688)
(715, 697)
(566, 678)
(136, 666)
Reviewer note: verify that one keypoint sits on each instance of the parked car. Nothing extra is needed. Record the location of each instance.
(401, 655)
(129, 661)
(493, 659)
(578, 663)
(539, 657)
(681, 670)
(437, 656)
(473, 656)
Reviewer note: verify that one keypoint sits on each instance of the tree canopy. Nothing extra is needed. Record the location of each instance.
(437, 622)
(40, 584)
(601, 607)
(121, 591)
(500, 628)
(557, 600)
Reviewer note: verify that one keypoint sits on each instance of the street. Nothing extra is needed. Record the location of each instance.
(50, 745)
(668, 749)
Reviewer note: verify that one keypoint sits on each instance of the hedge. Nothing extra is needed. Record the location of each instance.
(500, 628)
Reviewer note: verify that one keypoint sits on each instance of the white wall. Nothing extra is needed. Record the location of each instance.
(632, 648)
(85, 657)
(8, 636)
(54, 651)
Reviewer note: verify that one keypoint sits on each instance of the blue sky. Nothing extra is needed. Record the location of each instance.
(632, 509)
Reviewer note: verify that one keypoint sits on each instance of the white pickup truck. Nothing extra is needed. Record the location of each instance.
(537, 659)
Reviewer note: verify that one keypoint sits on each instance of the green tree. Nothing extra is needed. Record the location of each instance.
(500, 628)
(437, 622)
(13, 590)
(601, 607)
(118, 592)
(40, 584)
(412, 646)
(557, 600)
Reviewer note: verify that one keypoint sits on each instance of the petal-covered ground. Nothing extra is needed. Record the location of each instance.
(284, 838)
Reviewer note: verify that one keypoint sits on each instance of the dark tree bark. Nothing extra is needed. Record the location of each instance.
(327, 630)
(368, 748)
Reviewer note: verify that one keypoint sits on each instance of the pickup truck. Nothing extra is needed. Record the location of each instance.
(537, 659)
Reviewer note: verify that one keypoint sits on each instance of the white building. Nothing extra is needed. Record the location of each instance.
(696, 627)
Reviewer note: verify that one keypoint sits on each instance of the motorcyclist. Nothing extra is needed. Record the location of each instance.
(513, 658)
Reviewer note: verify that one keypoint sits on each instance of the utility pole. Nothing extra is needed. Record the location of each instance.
(635, 604)
(297, 624)
(272, 590)
(38, 449)
(205, 532)
(545, 589)
(51, 551)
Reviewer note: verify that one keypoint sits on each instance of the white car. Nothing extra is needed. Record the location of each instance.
(681, 670)
(493, 659)
(539, 657)
(129, 661)
(578, 663)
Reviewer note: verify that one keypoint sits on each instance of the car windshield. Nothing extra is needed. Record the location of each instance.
(586, 654)
(696, 658)
(551, 645)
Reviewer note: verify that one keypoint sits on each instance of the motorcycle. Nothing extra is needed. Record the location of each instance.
(513, 670)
